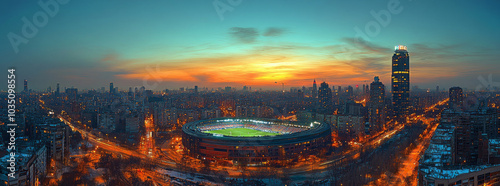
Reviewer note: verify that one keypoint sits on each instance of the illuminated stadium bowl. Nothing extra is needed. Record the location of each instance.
(254, 140)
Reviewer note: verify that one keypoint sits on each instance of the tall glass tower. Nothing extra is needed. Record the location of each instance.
(400, 82)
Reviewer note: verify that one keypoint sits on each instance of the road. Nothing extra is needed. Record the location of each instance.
(408, 168)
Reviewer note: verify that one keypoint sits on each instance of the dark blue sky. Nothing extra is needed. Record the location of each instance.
(174, 43)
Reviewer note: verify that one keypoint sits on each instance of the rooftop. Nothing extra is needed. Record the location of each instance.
(440, 173)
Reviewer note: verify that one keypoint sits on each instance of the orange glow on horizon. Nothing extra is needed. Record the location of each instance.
(265, 70)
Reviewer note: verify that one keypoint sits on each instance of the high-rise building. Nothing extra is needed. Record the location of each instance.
(195, 89)
(315, 89)
(400, 81)
(325, 98)
(469, 129)
(350, 92)
(25, 85)
(456, 98)
(57, 90)
(376, 105)
(111, 89)
(56, 134)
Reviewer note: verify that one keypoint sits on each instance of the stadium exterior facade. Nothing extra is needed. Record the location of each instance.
(313, 139)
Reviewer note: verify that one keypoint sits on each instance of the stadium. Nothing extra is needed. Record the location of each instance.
(255, 141)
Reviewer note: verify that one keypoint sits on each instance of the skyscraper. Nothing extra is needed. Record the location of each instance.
(325, 99)
(57, 90)
(456, 98)
(315, 90)
(25, 85)
(376, 105)
(111, 88)
(400, 81)
(350, 92)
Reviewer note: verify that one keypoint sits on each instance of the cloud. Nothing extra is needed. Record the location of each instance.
(273, 31)
(359, 43)
(256, 69)
(353, 62)
(250, 35)
(244, 35)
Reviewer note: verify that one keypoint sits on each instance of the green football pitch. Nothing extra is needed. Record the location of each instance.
(241, 132)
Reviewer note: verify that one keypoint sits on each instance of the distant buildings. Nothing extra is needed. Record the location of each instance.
(251, 111)
(111, 89)
(211, 113)
(456, 98)
(57, 90)
(25, 85)
(314, 89)
(72, 94)
(400, 82)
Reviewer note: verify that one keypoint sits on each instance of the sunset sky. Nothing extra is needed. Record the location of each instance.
(179, 43)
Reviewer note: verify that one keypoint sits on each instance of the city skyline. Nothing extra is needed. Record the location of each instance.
(163, 45)
(250, 92)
